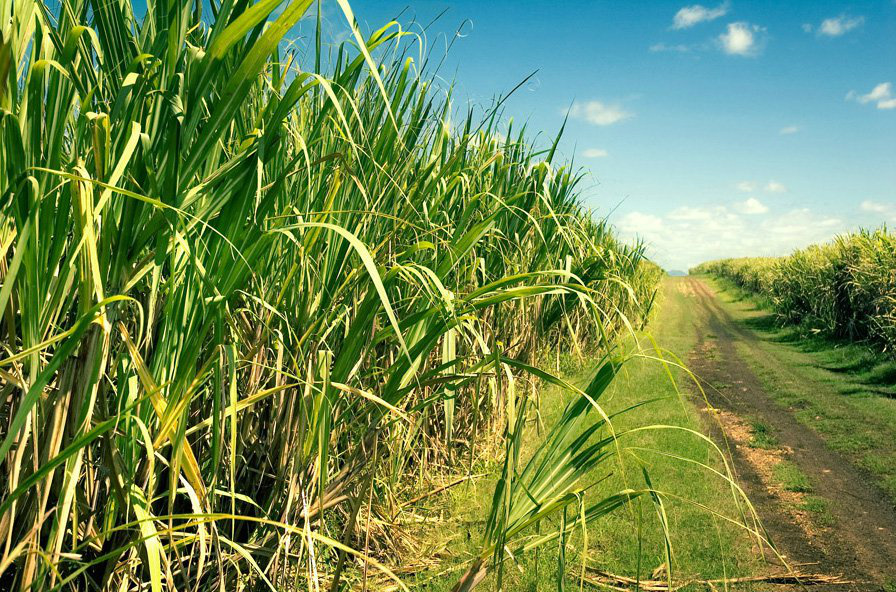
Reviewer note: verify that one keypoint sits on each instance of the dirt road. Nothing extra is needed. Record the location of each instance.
(858, 536)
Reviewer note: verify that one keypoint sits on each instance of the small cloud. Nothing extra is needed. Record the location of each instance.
(661, 47)
(740, 39)
(837, 26)
(691, 214)
(790, 129)
(599, 113)
(752, 206)
(798, 222)
(878, 93)
(876, 207)
(775, 187)
(770, 187)
(807, 27)
(638, 223)
(692, 15)
(595, 153)
(882, 94)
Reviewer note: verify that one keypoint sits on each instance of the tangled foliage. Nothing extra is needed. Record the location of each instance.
(845, 288)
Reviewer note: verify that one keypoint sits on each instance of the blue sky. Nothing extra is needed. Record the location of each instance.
(709, 130)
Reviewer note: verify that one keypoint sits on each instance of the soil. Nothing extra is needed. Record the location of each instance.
(858, 538)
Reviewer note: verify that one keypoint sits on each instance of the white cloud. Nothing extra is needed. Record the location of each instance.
(874, 206)
(751, 206)
(775, 187)
(638, 223)
(790, 129)
(688, 235)
(807, 27)
(740, 39)
(599, 113)
(884, 210)
(878, 93)
(882, 94)
(770, 187)
(796, 222)
(595, 153)
(692, 15)
(679, 48)
(691, 214)
(837, 26)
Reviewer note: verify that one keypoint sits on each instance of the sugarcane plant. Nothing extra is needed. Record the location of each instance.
(251, 282)
(845, 288)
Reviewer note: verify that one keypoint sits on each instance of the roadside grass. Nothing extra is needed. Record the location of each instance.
(820, 510)
(791, 478)
(844, 391)
(762, 436)
(628, 542)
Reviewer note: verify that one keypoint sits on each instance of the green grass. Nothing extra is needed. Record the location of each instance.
(843, 391)
(790, 477)
(762, 436)
(819, 509)
(630, 541)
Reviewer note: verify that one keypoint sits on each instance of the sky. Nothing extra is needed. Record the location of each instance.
(706, 130)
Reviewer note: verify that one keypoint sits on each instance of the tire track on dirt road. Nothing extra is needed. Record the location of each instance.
(860, 544)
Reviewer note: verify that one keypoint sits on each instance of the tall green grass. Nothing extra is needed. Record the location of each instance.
(244, 305)
(845, 288)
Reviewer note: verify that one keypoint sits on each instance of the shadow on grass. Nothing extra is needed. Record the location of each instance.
(862, 366)
(769, 328)
(866, 371)
(859, 365)
(766, 323)
(884, 373)
(865, 391)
